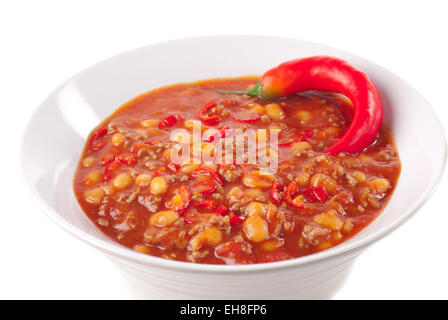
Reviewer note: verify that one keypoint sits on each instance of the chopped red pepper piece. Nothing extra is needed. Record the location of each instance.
(101, 132)
(222, 210)
(291, 190)
(289, 141)
(246, 116)
(235, 220)
(108, 171)
(229, 249)
(209, 204)
(203, 114)
(187, 221)
(179, 118)
(204, 187)
(169, 121)
(275, 195)
(229, 102)
(173, 167)
(108, 159)
(136, 147)
(315, 194)
(156, 174)
(207, 172)
(308, 133)
(127, 158)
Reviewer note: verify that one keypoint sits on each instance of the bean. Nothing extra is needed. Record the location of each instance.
(142, 248)
(212, 236)
(254, 194)
(88, 162)
(260, 179)
(163, 218)
(208, 150)
(117, 139)
(150, 123)
(303, 115)
(275, 111)
(326, 182)
(379, 185)
(255, 107)
(329, 220)
(122, 181)
(348, 226)
(256, 228)
(182, 137)
(361, 177)
(235, 194)
(158, 185)
(271, 245)
(143, 180)
(256, 207)
(93, 177)
(303, 178)
(189, 168)
(298, 148)
(94, 196)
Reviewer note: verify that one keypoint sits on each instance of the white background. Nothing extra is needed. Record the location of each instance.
(43, 43)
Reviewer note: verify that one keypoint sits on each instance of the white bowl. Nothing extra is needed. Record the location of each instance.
(55, 136)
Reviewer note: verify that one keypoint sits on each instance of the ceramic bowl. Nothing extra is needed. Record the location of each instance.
(57, 131)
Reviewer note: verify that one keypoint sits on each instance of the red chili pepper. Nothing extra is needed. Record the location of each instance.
(207, 172)
(209, 204)
(204, 187)
(173, 167)
(169, 121)
(229, 102)
(108, 171)
(291, 190)
(308, 133)
(222, 210)
(229, 249)
(275, 195)
(136, 147)
(246, 116)
(179, 118)
(315, 194)
(235, 220)
(107, 159)
(187, 221)
(127, 158)
(328, 74)
(101, 132)
(156, 174)
(203, 114)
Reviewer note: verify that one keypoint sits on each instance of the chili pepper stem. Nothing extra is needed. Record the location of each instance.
(254, 91)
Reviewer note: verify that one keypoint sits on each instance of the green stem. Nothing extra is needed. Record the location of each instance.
(255, 91)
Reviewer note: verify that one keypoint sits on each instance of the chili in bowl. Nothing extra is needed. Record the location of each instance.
(223, 210)
(287, 208)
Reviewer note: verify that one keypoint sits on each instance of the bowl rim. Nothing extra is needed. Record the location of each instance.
(115, 249)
